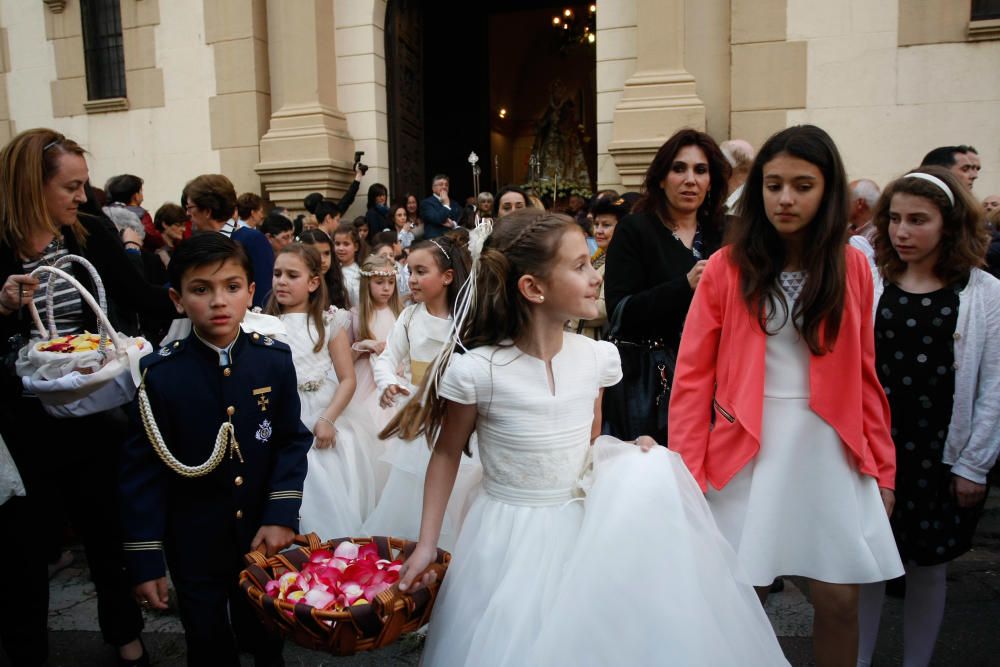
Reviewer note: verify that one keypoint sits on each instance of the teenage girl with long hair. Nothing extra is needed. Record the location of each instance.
(339, 488)
(776, 407)
(336, 294)
(549, 544)
(938, 358)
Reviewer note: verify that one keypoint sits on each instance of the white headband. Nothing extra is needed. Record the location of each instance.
(936, 181)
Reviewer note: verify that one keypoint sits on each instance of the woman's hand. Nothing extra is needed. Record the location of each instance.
(17, 291)
(325, 433)
(694, 275)
(389, 395)
(967, 492)
(888, 499)
(378, 347)
(645, 443)
(413, 575)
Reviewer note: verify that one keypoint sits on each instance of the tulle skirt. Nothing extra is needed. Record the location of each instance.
(366, 402)
(339, 489)
(634, 574)
(401, 501)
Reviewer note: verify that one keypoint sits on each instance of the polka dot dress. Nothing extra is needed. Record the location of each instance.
(914, 353)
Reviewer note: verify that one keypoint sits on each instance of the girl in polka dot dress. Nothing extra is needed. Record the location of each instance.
(938, 359)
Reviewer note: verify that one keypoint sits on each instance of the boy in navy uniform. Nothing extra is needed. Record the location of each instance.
(200, 519)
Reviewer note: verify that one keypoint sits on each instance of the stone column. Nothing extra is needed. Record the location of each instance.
(307, 148)
(659, 98)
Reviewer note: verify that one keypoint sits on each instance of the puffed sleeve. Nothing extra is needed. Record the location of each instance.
(458, 383)
(609, 363)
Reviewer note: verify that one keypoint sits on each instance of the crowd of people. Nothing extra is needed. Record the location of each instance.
(795, 368)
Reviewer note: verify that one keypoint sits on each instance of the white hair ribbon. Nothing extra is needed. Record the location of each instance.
(936, 181)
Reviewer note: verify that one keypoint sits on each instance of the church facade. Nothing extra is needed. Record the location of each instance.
(279, 95)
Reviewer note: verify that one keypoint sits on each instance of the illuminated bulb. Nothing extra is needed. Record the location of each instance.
(590, 38)
(593, 9)
(565, 26)
(567, 13)
(555, 20)
(503, 112)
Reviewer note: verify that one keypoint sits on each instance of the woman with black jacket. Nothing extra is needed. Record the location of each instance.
(653, 265)
(42, 178)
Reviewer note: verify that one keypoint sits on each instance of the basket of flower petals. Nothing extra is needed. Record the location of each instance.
(79, 374)
(340, 596)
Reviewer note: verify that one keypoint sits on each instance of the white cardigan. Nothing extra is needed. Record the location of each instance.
(974, 432)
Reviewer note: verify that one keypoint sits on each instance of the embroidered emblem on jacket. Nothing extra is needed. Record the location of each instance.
(264, 431)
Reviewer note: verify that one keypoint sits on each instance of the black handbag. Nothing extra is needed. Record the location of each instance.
(638, 404)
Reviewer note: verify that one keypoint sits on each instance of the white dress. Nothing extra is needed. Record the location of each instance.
(339, 488)
(415, 341)
(366, 396)
(634, 573)
(352, 282)
(801, 507)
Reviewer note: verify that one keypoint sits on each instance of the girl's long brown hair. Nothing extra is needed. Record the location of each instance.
(964, 238)
(366, 309)
(317, 298)
(525, 244)
(27, 163)
(760, 253)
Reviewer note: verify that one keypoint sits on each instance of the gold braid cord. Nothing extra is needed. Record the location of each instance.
(227, 436)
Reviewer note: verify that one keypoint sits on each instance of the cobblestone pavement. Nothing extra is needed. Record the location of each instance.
(969, 636)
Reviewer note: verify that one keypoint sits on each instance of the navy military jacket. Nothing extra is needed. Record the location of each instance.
(204, 524)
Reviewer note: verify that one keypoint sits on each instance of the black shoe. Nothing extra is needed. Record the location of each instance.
(141, 661)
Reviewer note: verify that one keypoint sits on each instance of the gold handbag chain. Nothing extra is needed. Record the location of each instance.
(226, 439)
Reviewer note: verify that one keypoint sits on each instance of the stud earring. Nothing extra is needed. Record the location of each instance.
(541, 298)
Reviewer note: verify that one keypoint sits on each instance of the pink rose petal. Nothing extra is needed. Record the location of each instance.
(346, 550)
(319, 599)
(368, 552)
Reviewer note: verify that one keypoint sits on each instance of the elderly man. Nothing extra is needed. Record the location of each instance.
(739, 153)
(864, 195)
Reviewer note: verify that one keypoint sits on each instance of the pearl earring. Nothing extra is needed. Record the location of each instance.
(541, 298)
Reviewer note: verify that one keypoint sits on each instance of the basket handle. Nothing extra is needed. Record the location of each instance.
(104, 324)
(63, 263)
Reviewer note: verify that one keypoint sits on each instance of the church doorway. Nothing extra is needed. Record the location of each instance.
(512, 80)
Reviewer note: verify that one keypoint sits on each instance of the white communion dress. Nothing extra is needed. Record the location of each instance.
(801, 507)
(366, 396)
(339, 488)
(415, 340)
(582, 555)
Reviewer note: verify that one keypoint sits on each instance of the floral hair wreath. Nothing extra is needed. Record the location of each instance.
(379, 273)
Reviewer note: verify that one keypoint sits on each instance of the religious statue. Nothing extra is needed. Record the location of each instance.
(558, 147)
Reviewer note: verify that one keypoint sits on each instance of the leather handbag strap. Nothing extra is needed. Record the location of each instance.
(616, 319)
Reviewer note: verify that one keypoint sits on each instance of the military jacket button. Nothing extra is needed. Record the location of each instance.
(227, 372)
(238, 481)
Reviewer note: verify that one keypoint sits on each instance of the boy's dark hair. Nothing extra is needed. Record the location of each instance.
(203, 249)
(311, 200)
(169, 214)
(275, 224)
(122, 188)
(386, 237)
(326, 208)
(214, 193)
(247, 203)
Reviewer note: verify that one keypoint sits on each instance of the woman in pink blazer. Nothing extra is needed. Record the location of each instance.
(776, 407)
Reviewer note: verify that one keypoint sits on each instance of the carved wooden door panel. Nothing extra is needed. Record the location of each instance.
(404, 89)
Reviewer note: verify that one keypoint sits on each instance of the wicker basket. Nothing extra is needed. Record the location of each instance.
(340, 632)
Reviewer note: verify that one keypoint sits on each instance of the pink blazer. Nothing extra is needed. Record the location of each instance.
(721, 364)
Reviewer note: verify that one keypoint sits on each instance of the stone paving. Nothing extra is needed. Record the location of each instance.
(969, 635)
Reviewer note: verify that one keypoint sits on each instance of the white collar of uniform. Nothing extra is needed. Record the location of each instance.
(228, 228)
(225, 353)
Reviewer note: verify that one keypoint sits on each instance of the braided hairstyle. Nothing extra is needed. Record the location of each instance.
(525, 244)
(449, 255)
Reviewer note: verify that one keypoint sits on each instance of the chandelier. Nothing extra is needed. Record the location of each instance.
(573, 29)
